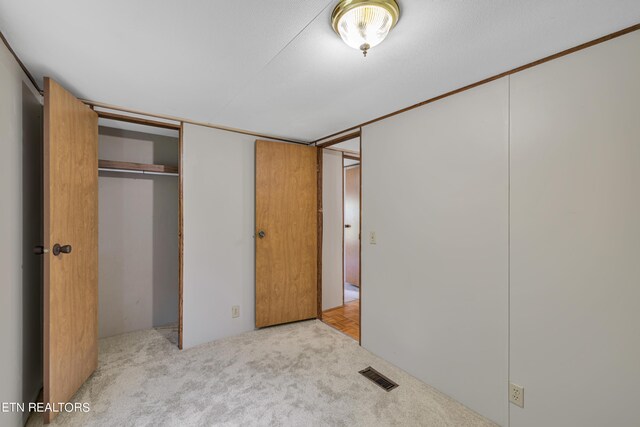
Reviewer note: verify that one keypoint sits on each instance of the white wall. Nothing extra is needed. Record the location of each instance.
(434, 287)
(219, 221)
(138, 235)
(575, 238)
(20, 227)
(332, 228)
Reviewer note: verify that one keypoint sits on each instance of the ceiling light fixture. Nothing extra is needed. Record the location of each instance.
(364, 24)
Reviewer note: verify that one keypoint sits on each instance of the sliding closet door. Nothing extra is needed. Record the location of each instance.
(71, 235)
(286, 233)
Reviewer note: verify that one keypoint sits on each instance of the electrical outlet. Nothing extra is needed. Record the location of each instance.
(372, 238)
(516, 394)
(235, 311)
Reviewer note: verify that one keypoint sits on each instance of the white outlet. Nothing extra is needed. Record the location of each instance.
(372, 238)
(516, 394)
(235, 311)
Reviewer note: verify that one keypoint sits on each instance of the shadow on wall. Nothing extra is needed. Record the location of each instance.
(32, 235)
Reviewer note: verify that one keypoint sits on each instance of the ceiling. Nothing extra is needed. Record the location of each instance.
(275, 66)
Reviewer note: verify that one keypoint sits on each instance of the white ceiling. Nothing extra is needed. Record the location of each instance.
(276, 66)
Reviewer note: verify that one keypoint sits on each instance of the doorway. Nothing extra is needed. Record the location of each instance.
(341, 236)
(286, 233)
(351, 204)
(138, 223)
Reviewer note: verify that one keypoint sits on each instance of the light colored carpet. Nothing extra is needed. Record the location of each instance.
(302, 374)
(351, 292)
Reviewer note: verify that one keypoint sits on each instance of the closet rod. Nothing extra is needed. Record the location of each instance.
(137, 171)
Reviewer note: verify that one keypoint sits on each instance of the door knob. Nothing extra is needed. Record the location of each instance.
(347, 226)
(57, 249)
(261, 234)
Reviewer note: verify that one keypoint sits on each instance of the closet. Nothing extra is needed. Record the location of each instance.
(138, 202)
(112, 234)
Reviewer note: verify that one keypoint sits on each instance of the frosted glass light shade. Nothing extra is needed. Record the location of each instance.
(364, 24)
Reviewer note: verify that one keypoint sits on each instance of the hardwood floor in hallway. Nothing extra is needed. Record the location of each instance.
(346, 319)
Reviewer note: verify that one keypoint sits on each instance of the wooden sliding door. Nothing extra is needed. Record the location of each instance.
(71, 237)
(286, 233)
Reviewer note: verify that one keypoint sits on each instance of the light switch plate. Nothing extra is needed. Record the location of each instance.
(516, 394)
(235, 311)
(372, 238)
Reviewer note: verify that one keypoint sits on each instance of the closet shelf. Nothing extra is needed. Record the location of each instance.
(143, 168)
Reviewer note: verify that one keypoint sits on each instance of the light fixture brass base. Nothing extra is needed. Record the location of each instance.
(346, 5)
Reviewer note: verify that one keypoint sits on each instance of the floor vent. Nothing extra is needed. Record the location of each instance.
(378, 378)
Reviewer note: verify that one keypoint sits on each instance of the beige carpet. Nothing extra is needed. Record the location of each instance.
(302, 374)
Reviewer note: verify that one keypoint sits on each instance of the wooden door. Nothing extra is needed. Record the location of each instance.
(352, 225)
(286, 233)
(70, 218)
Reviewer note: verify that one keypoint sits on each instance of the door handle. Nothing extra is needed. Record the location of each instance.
(261, 234)
(57, 249)
(347, 226)
(40, 250)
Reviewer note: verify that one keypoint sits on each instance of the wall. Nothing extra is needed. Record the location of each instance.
(332, 226)
(21, 229)
(436, 298)
(434, 287)
(575, 238)
(219, 222)
(138, 235)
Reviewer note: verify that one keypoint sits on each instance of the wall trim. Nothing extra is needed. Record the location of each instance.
(20, 63)
(137, 120)
(565, 52)
(94, 104)
(338, 140)
(582, 46)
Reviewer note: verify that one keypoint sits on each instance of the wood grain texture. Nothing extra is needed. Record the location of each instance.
(112, 164)
(345, 318)
(352, 218)
(71, 217)
(586, 45)
(287, 211)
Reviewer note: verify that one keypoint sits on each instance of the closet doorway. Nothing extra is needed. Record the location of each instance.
(111, 246)
(138, 211)
(341, 234)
